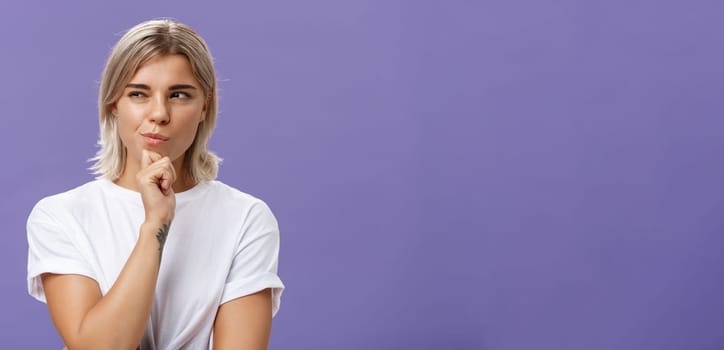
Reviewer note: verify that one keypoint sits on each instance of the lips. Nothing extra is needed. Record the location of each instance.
(154, 139)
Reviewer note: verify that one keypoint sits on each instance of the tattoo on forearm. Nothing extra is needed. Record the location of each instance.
(161, 236)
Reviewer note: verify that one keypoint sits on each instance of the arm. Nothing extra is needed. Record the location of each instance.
(244, 323)
(87, 320)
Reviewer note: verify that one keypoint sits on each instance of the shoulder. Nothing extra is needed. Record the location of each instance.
(231, 199)
(77, 199)
(230, 195)
(222, 189)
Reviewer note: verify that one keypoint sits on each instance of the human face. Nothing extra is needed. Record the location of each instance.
(160, 109)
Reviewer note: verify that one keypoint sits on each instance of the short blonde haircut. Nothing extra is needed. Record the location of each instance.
(139, 45)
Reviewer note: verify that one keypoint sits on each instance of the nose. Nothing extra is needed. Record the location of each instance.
(159, 112)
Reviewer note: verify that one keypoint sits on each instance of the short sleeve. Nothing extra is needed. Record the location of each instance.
(254, 267)
(50, 250)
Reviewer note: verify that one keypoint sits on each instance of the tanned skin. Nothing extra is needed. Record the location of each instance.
(163, 98)
(87, 320)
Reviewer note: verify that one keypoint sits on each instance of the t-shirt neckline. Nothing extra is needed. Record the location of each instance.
(131, 195)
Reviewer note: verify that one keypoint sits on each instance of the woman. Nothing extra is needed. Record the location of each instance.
(155, 253)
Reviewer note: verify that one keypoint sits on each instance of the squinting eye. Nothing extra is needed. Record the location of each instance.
(179, 94)
(136, 94)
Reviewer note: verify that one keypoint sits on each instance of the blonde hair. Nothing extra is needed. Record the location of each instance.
(139, 45)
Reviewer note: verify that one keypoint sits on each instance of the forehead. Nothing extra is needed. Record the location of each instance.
(165, 69)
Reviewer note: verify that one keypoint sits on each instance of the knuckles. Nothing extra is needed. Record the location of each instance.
(157, 172)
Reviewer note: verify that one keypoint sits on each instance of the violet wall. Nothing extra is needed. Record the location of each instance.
(447, 174)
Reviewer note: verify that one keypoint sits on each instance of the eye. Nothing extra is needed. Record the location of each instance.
(136, 94)
(180, 94)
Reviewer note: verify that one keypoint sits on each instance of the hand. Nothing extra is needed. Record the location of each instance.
(155, 182)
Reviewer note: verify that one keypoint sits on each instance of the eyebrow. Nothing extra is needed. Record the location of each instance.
(172, 88)
(181, 87)
(138, 86)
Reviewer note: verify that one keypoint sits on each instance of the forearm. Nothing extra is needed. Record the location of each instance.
(119, 319)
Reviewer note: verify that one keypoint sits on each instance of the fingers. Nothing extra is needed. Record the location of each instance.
(158, 170)
(164, 174)
(148, 158)
(166, 187)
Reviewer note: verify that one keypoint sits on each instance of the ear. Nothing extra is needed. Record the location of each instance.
(114, 110)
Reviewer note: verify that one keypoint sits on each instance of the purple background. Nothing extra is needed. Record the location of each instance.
(447, 174)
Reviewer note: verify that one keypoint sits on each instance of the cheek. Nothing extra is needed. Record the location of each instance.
(190, 135)
(125, 135)
(189, 121)
(127, 128)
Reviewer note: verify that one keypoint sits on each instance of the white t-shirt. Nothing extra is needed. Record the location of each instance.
(223, 244)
